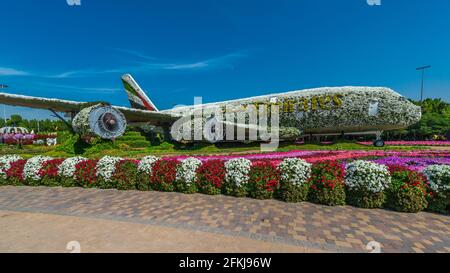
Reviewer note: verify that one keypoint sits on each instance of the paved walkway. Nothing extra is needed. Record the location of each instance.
(244, 223)
(38, 232)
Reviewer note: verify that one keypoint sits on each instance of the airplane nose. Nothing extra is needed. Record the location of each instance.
(414, 113)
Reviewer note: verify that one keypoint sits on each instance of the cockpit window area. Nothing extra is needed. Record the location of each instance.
(374, 108)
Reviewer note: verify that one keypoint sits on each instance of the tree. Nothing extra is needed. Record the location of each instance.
(435, 120)
(14, 120)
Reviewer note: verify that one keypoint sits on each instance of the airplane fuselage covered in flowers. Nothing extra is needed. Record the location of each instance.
(328, 110)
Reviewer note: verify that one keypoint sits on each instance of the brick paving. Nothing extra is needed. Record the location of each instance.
(338, 229)
(49, 233)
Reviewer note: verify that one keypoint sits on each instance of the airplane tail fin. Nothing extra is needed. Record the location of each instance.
(137, 97)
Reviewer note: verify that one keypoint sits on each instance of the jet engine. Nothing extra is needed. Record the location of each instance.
(100, 120)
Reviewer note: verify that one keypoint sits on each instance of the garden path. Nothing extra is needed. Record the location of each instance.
(303, 226)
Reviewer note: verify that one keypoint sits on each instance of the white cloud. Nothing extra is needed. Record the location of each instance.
(147, 64)
(135, 53)
(220, 61)
(7, 71)
(82, 89)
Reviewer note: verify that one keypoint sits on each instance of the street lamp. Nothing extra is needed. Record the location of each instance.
(423, 68)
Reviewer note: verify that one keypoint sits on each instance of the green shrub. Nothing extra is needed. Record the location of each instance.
(211, 176)
(293, 193)
(85, 174)
(236, 177)
(163, 175)
(14, 175)
(407, 192)
(327, 184)
(294, 180)
(99, 146)
(125, 176)
(143, 182)
(145, 167)
(264, 180)
(439, 179)
(131, 138)
(186, 175)
(49, 174)
(366, 182)
(132, 134)
(365, 199)
(63, 136)
(183, 187)
(135, 143)
(67, 182)
(72, 145)
(439, 202)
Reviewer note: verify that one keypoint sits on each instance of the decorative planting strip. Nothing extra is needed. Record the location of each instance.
(361, 183)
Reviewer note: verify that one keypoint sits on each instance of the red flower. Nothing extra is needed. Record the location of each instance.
(328, 174)
(164, 173)
(16, 170)
(50, 168)
(264, 176)
(85, 172)
(212, 172)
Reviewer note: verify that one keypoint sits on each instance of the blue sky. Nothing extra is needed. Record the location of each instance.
(219, 49)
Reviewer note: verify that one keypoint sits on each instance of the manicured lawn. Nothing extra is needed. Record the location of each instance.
(123, 150)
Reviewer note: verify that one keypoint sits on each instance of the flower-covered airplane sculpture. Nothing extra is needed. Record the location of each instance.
(320, 111)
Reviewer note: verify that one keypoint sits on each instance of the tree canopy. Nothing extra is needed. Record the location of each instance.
(435, 121)
(46, 125)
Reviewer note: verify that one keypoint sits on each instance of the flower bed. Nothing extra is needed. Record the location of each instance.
(410, 143)
(28, 139)
(360, 183)
(413, 163)
(321, 156)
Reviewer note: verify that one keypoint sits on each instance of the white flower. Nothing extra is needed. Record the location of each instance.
(67, 167)
(5, 163)
(187, 170)
(33, 166)
(106, 167)
(51, 141)
(365, 175)
(438, 176)
(146, 163)
(295, 171)
(236, 171)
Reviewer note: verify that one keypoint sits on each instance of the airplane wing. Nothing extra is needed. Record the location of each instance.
(67, 106)
(155, 118)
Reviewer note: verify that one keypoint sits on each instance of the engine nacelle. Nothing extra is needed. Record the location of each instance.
(100, 120)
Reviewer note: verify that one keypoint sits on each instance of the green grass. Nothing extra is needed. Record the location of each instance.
(134, 145)
(140, 148)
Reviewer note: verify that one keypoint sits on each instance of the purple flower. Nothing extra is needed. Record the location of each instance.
(413, 163)
(18, 136)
